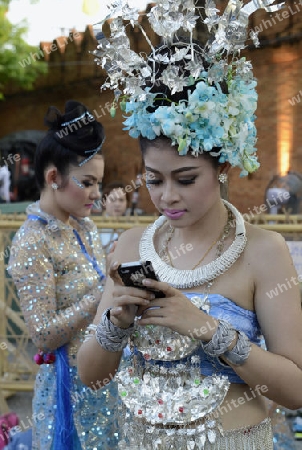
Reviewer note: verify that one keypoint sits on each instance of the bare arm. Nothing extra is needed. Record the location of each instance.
(278, 307)
(96, 365)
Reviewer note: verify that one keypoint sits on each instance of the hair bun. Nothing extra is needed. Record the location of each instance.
(53, 118)
(73, 111)
(77, 129)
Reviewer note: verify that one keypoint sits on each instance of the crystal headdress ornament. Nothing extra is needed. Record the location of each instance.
(206, 119)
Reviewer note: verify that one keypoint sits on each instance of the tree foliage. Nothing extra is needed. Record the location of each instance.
(13, 52)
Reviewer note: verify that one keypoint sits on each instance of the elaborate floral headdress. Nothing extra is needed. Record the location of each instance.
(206, 118)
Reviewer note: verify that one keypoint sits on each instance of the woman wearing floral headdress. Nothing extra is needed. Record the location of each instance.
(58, 268)
(197, 376)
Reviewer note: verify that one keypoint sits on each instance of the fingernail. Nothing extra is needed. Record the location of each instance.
(147, 282)
(115, 265)
(152, 296)
(146, 302)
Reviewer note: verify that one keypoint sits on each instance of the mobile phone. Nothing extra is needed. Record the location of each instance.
(133, 273)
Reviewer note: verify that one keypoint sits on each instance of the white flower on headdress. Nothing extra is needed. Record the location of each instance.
(194, 68)
(254, 37)
(166, 17)
(171, 79)
(211, 12)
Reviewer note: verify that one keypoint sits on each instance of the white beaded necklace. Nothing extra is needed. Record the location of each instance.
(183, 279)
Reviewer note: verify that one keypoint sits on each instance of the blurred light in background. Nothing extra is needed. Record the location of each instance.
(48, 19)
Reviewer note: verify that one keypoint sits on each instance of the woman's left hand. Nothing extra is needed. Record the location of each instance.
(174, 311)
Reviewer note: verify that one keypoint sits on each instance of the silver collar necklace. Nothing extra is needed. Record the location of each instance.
(184, 279)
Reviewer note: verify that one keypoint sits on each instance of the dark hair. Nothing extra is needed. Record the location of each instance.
(110, 187)
(162, 89)
(72, 138)
(145, 143)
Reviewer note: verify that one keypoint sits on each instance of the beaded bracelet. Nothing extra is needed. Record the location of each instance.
(240, 352)
(111, 337)
(221, 339)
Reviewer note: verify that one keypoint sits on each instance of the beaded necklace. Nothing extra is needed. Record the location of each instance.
(183, 279)
(165, 254)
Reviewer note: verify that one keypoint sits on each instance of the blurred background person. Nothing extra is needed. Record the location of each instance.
(4, 184)
(115, 201)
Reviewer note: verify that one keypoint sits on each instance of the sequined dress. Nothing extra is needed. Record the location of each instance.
(55, 281)
(172, 391)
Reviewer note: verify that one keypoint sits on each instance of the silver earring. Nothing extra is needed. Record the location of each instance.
(222, 178)
(54, 186)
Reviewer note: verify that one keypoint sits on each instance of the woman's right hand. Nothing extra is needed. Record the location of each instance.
(126, 300)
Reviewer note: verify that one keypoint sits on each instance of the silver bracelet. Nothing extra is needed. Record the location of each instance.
(240, 352)
(221, 339)
(111, 337)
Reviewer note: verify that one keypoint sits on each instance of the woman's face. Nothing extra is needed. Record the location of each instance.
(183, 188)
(116, 203)
(81, 188)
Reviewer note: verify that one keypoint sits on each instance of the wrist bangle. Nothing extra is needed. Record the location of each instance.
(221, 339)
(240, 352)
(111, 337)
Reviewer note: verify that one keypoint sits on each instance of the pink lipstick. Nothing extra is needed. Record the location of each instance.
(174, 213)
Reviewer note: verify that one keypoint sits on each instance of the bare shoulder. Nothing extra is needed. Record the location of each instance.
(266, 246)
(266, 239)
(127, 248)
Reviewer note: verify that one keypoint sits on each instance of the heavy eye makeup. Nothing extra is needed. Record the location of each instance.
(154, 177)
(183, 181)
(85, 183)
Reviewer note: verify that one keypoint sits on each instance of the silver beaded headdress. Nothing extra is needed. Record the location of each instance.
(206, 119)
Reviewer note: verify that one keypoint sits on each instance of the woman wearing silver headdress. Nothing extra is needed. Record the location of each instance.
(197, 376)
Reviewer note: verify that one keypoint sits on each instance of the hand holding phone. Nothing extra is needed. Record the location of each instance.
(133, 273)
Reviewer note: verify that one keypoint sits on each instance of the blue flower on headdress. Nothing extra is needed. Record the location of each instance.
(209, 120)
